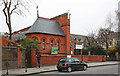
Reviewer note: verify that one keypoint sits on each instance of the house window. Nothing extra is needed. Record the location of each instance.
(51, 43)
(58, 45)
(43, 44)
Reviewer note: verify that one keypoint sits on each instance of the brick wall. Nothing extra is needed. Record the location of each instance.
(47, 50)
(53, 59)
(65, 24)
(62, 19)
(50, 60)
(48, 39)
(82, 58)
(96, 58)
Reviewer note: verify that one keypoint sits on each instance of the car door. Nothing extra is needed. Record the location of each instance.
(81, 64)
(78, 63)
(71, 63)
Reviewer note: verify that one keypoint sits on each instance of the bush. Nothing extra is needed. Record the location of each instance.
(95, 50)
(85, 52)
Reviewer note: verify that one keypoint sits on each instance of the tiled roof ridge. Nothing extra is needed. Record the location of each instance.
(20, 30)
(59, 15)
(47, 19)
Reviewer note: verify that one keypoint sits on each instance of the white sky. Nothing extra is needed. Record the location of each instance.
(86, 15)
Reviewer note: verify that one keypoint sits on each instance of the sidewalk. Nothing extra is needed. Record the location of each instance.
(21, 71)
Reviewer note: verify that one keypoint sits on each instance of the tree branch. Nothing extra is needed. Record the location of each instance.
(5, 3)
(15, 7)
(10, 4)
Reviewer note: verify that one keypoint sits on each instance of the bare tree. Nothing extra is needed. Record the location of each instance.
(104, 36)
(10, 7)
(118, 17)
(92, 38)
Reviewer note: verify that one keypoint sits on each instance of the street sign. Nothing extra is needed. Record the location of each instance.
(68, 56)
(79, 46)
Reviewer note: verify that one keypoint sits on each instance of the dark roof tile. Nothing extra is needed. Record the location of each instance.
(46, 27)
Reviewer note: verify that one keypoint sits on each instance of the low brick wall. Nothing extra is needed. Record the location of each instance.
(82, 58)
(96, 58)
(53, 59)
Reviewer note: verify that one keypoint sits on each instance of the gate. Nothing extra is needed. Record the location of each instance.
(9, 57)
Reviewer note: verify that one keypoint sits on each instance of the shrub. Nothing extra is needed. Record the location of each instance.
(95, 50)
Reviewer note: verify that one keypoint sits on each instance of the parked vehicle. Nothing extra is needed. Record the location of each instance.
(70, 64)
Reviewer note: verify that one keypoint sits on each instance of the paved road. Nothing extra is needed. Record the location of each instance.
(112, 69)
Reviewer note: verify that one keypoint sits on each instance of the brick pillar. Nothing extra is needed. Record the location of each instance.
(66, 29)
(19, 54)
(34, 61)
(64, 21)
(117, 55)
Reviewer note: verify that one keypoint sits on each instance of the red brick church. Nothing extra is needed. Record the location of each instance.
(53, 32)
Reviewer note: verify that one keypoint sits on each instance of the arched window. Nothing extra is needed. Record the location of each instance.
(34, 37)
(58, 45)
(51, 43)
(43, 44)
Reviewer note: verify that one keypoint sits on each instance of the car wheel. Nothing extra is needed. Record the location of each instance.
(69, 69)
(84, 67)
(59, 70)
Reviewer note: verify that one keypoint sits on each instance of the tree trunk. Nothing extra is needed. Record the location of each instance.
(7, 14)
(10, 33)
(9, 25)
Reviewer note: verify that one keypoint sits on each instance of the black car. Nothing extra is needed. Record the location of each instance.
(70, 64)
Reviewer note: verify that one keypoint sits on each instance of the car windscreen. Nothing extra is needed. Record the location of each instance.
(62, 60)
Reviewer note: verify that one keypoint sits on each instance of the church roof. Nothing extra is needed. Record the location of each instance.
(46, 27)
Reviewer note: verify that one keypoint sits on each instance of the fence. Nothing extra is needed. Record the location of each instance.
(10, 58)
